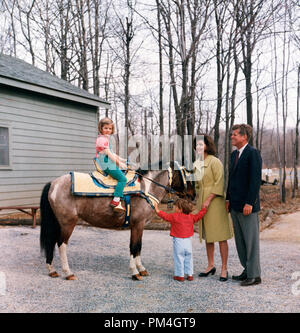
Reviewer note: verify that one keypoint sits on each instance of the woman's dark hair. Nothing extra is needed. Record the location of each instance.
(209, 142)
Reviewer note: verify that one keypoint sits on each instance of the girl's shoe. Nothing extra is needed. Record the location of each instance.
(178, 278)
(117, 206)
(212, 272)
(190, 278)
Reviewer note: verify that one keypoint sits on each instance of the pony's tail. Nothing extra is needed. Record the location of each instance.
(50, 229)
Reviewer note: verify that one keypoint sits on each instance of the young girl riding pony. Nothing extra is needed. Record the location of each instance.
(110, 162)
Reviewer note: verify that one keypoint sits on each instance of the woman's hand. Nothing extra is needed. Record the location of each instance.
(206, 204)
(208, 201)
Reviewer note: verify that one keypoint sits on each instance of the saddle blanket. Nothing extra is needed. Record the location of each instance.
(96, 184)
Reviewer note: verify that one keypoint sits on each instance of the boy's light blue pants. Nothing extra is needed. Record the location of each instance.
(183, 256)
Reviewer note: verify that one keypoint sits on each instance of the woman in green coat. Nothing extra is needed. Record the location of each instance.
(216, 226)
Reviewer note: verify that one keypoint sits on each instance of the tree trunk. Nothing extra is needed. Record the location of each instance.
(296, 154)
(161, 87)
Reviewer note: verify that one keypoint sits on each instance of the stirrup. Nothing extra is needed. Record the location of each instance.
(119, 208)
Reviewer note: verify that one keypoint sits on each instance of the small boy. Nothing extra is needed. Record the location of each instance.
(182, 229)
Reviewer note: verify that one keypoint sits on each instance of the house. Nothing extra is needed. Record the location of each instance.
(48, 127)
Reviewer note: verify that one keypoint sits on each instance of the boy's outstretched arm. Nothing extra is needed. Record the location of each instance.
(156, 207)
(199, 215)
(165, 216)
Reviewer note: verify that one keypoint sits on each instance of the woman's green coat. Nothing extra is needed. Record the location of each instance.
(216, 225)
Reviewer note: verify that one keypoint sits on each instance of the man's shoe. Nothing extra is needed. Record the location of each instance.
(117, 206)
(250, 282)
(240, 277)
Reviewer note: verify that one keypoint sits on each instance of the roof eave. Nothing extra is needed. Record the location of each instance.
(53, 92)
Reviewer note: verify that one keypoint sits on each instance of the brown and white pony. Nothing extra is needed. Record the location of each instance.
(60, 211)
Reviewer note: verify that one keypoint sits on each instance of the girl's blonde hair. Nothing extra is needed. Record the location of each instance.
(106, 121)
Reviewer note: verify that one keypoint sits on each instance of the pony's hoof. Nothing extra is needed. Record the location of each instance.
(144, 273)
(137, 277)
(71, 277)
(53, 274)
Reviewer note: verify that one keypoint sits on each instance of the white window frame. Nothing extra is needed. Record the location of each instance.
(9, 166)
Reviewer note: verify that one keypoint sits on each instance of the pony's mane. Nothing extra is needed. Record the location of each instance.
(154, 167)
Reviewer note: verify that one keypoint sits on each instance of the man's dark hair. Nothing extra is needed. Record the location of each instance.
(244, 129)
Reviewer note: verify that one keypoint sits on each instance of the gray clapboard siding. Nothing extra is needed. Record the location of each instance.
(17, 187)
(19, 195)
(59, 151)
(41, 107)
(53, 128)
(49, 137)
(40, 112)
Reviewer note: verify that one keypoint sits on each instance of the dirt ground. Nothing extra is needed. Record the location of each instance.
(285, 229)
(284, 218)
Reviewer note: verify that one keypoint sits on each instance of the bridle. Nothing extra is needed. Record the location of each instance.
(169, 188)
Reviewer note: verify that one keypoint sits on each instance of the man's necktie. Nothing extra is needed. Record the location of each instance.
(236, 159)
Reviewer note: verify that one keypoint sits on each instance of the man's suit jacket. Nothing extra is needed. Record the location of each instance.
(244, 180)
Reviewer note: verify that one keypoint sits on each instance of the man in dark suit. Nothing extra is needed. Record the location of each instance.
(242, 200)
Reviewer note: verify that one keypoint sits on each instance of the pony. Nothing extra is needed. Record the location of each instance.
(61, 210)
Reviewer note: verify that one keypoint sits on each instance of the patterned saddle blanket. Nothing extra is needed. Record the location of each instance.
(97, 184)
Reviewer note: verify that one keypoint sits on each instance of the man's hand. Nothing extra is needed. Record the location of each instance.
(227, 206)
(247, 209)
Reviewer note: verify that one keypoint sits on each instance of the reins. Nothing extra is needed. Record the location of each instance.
(167, 188)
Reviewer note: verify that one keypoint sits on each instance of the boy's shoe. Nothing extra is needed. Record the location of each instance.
(190, 278)
(178, 278)
(117, 206)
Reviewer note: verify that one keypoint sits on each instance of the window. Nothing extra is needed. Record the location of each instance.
(4, 147)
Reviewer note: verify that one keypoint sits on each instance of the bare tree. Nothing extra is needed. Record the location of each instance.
(185, 23)
(296, 145)
(25, 9)
(9, 6)
(160, 57)
(252, 19)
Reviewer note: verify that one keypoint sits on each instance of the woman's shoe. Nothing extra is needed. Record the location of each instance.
(223, 279)
(212, 272)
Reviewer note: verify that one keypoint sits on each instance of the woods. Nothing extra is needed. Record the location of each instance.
(174, 67)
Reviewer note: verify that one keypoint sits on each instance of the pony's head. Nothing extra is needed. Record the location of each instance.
(180, 183)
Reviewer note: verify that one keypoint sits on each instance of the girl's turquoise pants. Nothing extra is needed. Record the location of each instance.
(111, 168)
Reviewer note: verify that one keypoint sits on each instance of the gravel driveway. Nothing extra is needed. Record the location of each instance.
(100, 259)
